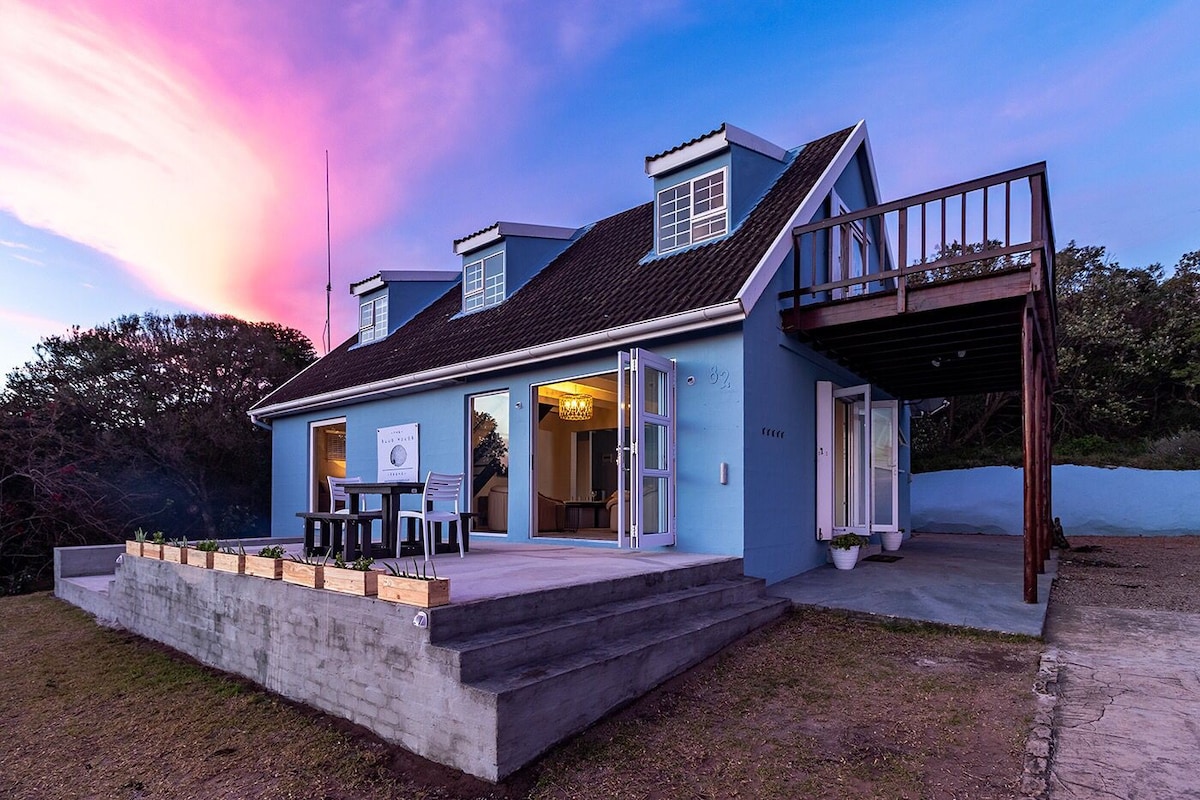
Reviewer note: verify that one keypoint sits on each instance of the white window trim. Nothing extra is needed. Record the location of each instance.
(709, 215)
(482, 292)
(373, 329)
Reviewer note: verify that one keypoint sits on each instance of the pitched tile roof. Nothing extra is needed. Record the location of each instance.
(597, 283)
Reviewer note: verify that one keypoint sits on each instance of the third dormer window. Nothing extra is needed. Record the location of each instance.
(483, 282)
(692, 211)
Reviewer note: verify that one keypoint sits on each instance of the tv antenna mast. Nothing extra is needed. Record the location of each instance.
(327, 336)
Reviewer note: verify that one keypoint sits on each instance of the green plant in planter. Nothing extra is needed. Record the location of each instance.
(139, 536)
(207, 546)
(241, 550)
(398, 571)
(271, 551)
(846, 541)
(361, 564)
(158, 538)
(312, 561)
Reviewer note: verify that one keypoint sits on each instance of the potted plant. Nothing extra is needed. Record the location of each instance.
(305, 571)
(891, 539)
(229, 560)
(415, 587)
(153, 546)
(267, 564)
(202, 555)
(845, 549)
(175, 551)
(134, 546)
(356, 577)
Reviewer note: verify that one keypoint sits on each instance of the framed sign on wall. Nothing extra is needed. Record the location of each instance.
(399, 453)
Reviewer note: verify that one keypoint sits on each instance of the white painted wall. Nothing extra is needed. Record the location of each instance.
(1092, 501)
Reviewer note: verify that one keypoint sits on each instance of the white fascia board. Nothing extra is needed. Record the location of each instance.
(746, 139)
(710, 145)
(367, 285)
(768, 265)
(412, 275)
(697, 319)
(502, 229)
(482, 239)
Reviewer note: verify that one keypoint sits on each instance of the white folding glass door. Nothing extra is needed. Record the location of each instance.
(646, 450)
(857, 460)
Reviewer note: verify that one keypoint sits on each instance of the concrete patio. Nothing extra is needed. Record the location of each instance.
(971, 580)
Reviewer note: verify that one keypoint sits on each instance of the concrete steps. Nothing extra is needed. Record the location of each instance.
(554, 673)
(477, 656)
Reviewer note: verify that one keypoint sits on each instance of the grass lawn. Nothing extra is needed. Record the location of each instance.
(819, 705)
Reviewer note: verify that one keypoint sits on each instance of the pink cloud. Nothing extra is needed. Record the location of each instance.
(187, 140)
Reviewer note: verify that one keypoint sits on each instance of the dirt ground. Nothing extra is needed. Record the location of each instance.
(1155, 573)
(821, 705)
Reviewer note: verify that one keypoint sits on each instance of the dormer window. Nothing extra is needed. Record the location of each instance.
(483, 282)
(372, 319)
(692, 211)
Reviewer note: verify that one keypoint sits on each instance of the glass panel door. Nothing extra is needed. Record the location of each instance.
(851, 457)
(646, 450)
(624, 462)
(884, 466)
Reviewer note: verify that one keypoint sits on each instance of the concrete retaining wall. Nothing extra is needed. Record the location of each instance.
(1091, 501)
(358, 658)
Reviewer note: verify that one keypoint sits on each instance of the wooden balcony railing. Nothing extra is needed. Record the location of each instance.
(989, 225)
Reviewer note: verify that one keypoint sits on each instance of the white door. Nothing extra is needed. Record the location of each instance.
(857, 460)
(647, 463)
(885, 466)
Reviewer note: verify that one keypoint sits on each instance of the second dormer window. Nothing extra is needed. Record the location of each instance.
(372, 320)
(692, 211)
(483, 282)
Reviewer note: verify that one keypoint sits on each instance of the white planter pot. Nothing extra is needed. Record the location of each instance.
(892, 540)
(844, 559)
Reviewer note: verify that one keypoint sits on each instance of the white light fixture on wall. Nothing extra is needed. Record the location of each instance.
(576, 407)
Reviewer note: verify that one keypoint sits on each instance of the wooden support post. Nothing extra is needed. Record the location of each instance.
(1028, 413)
(1048, 455)
(1039, 460)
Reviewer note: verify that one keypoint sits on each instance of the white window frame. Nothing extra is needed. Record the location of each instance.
(377, 329)
(693, 221)
(483, 292)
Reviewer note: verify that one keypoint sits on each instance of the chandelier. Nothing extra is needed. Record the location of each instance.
(575, 407)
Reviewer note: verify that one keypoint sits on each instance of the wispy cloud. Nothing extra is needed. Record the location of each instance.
(187, 140)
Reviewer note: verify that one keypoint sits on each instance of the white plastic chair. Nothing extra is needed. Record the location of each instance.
(337, 494)
(439, 488)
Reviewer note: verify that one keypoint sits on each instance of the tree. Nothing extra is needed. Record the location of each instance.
(139, 423)
(1129, 373)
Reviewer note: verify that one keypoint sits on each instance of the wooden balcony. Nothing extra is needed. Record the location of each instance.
(929, 296)
(945, 293)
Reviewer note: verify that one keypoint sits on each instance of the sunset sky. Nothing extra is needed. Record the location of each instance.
(171, 155)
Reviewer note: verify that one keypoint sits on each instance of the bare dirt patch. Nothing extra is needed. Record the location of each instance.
(1155, 573)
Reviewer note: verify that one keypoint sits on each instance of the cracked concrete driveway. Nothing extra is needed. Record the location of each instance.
(1128, 719)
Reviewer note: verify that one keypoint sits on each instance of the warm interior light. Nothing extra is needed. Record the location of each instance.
(575, 406)
(335, 445)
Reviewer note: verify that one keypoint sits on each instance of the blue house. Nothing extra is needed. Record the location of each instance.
(647, 380)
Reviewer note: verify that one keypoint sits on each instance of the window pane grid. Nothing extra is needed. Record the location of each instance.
(692, 211)
(483, 282)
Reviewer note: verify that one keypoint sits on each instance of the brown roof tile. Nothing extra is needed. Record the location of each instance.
(596, 284)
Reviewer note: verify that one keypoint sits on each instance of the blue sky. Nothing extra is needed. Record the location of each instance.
(444, 117)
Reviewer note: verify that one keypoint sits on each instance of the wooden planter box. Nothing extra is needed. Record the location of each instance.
(352, 581)
(270, 568)
(176, 555)
(229, 562)
(133, 548)
(200, 558)
(414, 591)
(151, 550)
(310, 575)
